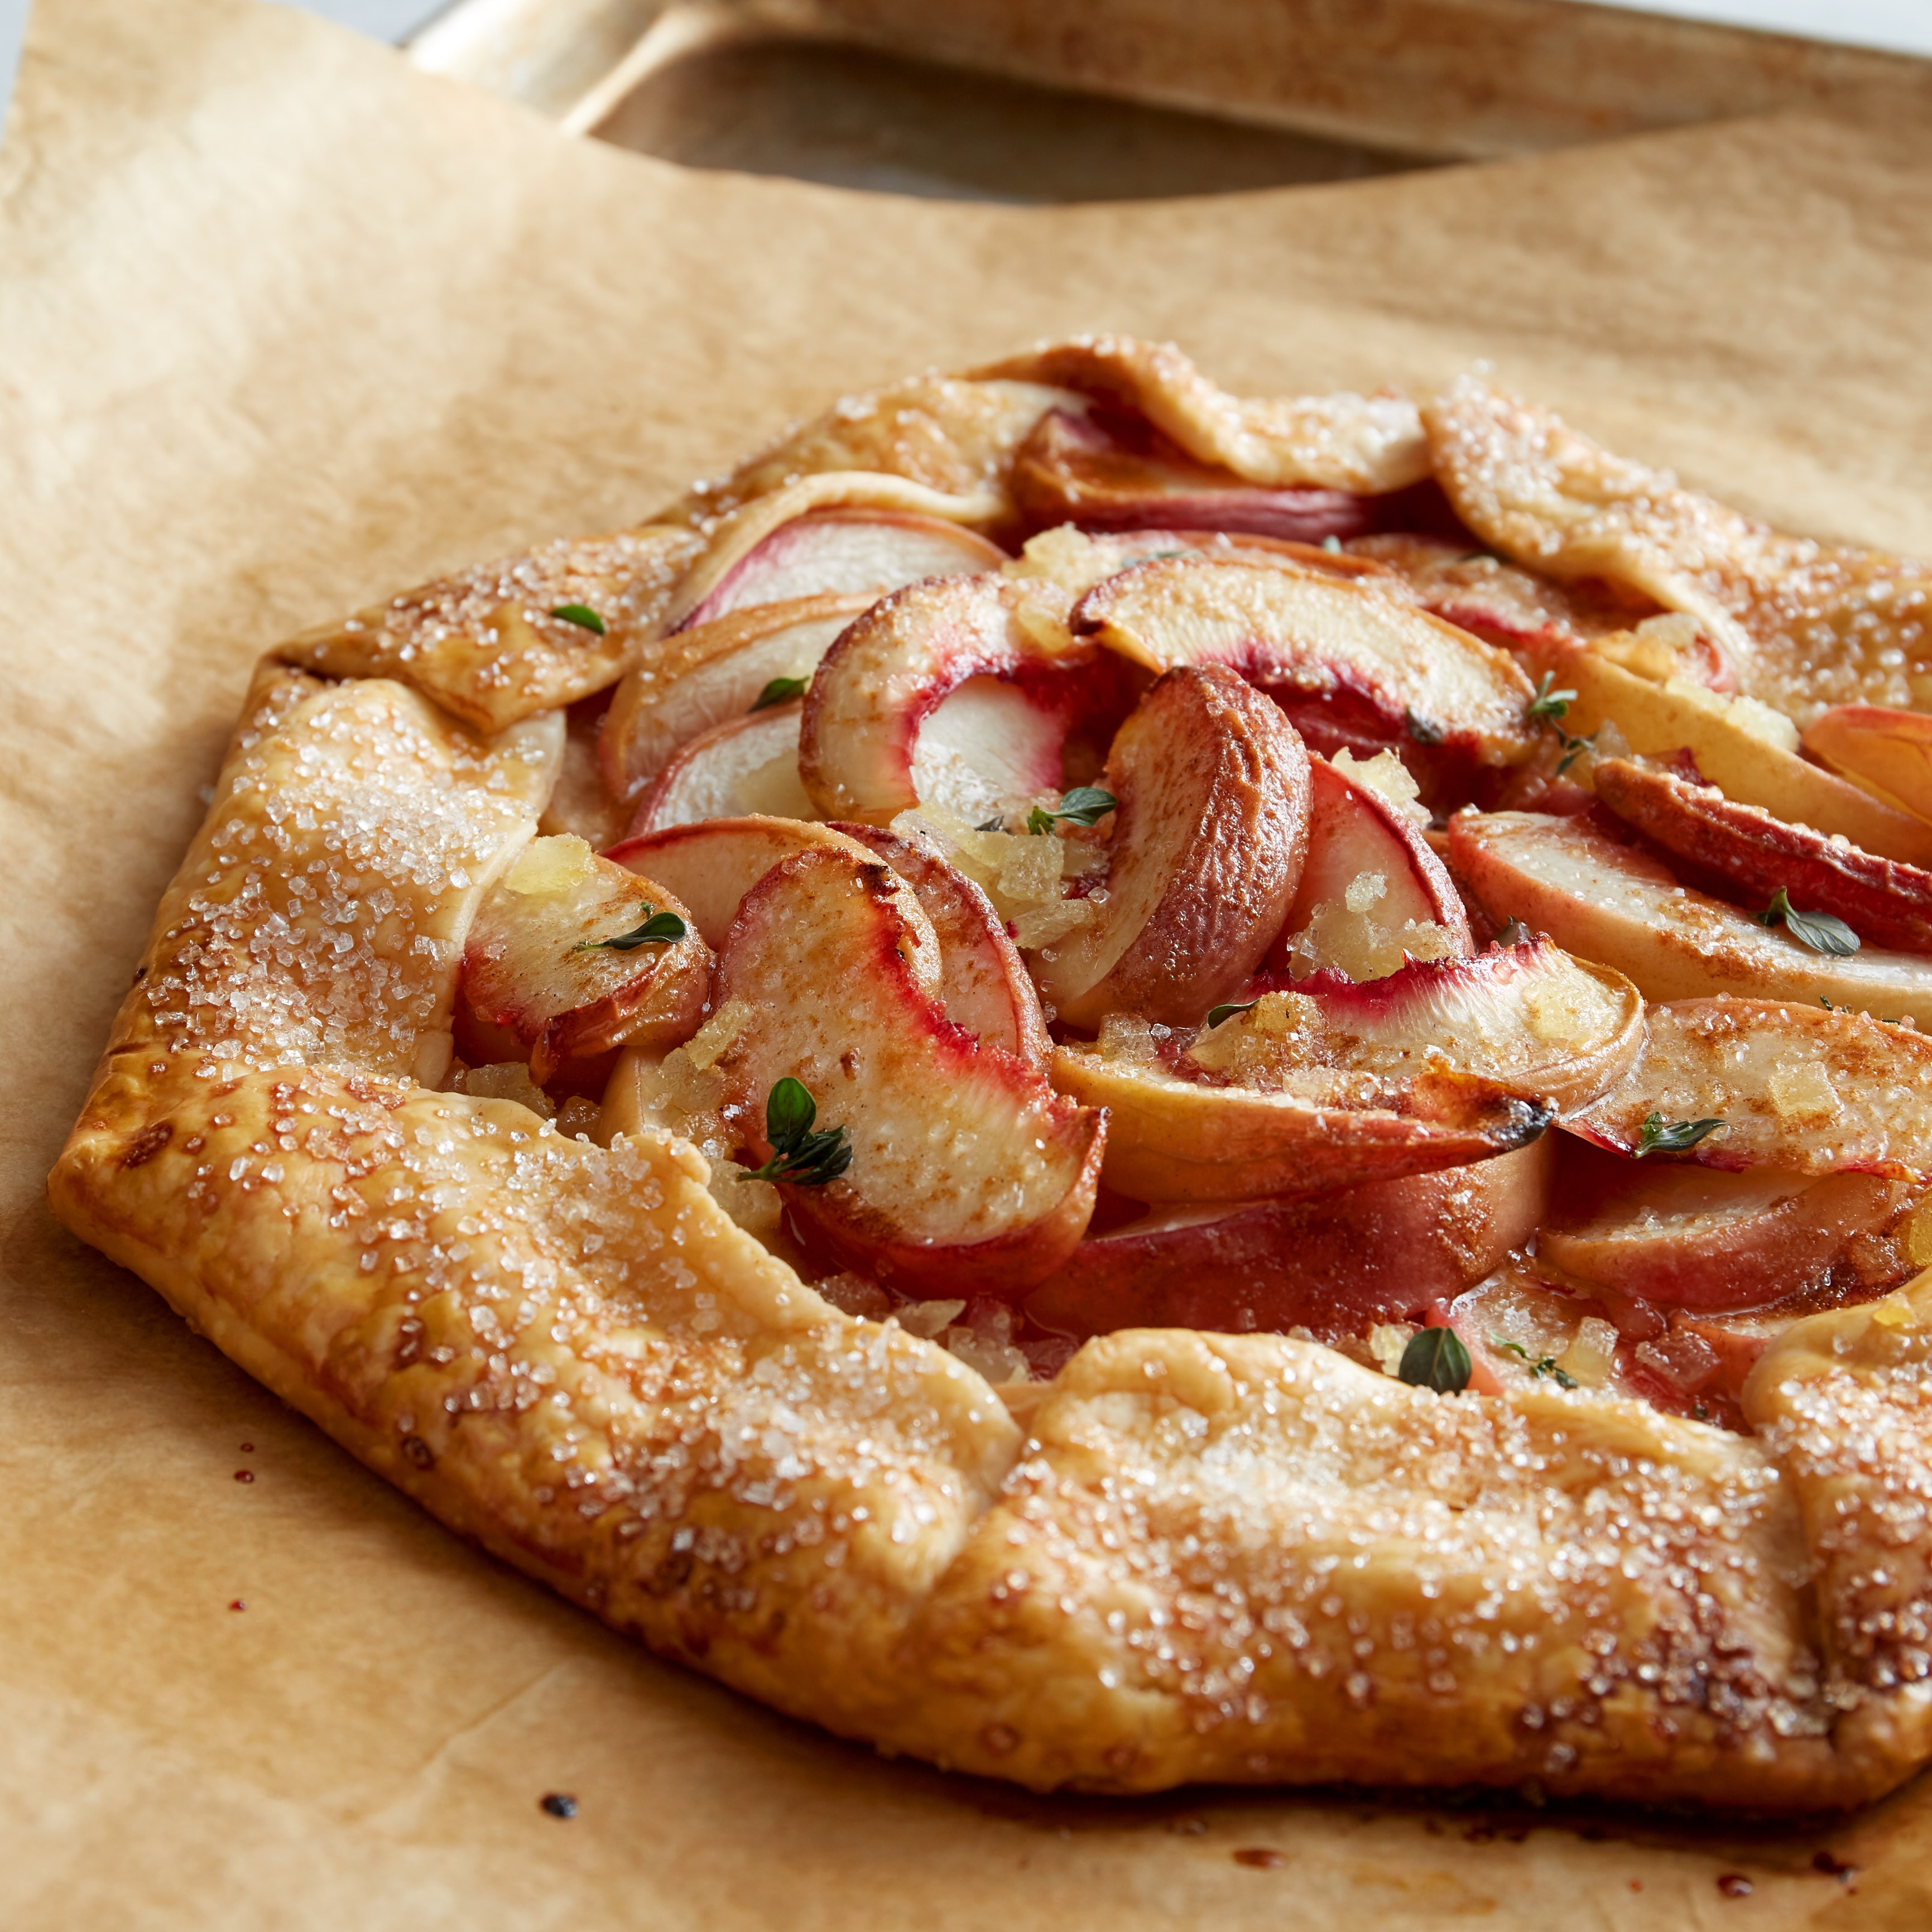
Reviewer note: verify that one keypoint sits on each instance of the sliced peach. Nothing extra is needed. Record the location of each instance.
(1692, 1237)
(1073, 470)
(1745, 749)
(848, 552)
(1527, 1017)
(1612, 902)
(1372, 892)
(1173, 1139)
(744, 765)
(707, 677)
(540, 980)
(1077, 559)
(1496, 602)
(1209, 833)
(1755, 855)
(1882, 750)
(1797, 1088)
(969, 1174)
(1334, 1264)
(984, 984)
(711, 865)
(981, 979)
(1345, 660)
(877, 691)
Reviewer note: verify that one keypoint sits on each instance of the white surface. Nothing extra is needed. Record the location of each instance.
(1903, 25)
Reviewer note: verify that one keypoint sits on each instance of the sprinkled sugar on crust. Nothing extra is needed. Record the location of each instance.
(1203, 1557)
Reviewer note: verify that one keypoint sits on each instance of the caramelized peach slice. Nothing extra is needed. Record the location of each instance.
(1612, 902)
(744, 765)
(1209, 839)
(984, 984)
(711, 865)
(1756, 855)
(1334, 1264)
(875, 697)
(549, 975)
(969, 1174)
(1886, 752)
(1796, 1087)
(853, 551)
(1745, 749)
(1372, 892)
(1072, 470)
(705, 677)
(1692, 1237)
(1527, 1017)
(1352, 658)
(1173, 1139)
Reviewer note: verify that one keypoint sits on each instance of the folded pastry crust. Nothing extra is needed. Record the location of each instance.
(1199, 1557)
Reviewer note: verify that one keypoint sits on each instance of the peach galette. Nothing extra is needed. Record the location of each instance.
(1114, 1085)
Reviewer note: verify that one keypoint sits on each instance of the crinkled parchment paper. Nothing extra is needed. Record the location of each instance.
(284, 326)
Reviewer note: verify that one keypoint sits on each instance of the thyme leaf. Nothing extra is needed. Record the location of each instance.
(1661, 1136)
(780, 691)
(1229, 1009)
(1084, 804)
(659, 928)
(581, 615)
(1548, 706)
(1539, 1366)
(1820, 931)
(1436, 1359)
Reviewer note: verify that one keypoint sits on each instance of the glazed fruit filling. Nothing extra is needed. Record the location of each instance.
(1506, 976)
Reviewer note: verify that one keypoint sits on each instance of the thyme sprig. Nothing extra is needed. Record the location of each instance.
(1084, 804)
(659, 928)
(800, 1158)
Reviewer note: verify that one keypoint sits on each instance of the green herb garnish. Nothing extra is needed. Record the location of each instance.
(1574, 748)
(995, 824)
(780, 691)
(1423, 731)
(1084, 804)
(1547, 706)
(800, 1158)
(1514, 934)
(659, 928)
(580, 614)
(1662, 1136)
(1436, 1359)
(1544, 1365)
(1228, 1009)
(1818, 930)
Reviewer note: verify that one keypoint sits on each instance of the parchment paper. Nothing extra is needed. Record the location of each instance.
(284, 326)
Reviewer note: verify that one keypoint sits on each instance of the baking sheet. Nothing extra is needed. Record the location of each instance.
(284, 325)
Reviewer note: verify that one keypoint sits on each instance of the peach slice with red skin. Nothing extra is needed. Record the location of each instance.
(705, 677)
(538, 984)
(982, 984)
(1755, 855)
(1209, 835)
(1797, 1088)
(876, 691)
(1355, 832)
(969, 1174)
(1611, 901)
(1528, 1017)
(1348, 662)
(1172, 1138)
(748, 764)
(1885, 751)
(1334, 1264)
(1075, 469)
(1692, 1236)
(846, 552)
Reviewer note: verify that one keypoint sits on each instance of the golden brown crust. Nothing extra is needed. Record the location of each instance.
(1214, 1558)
